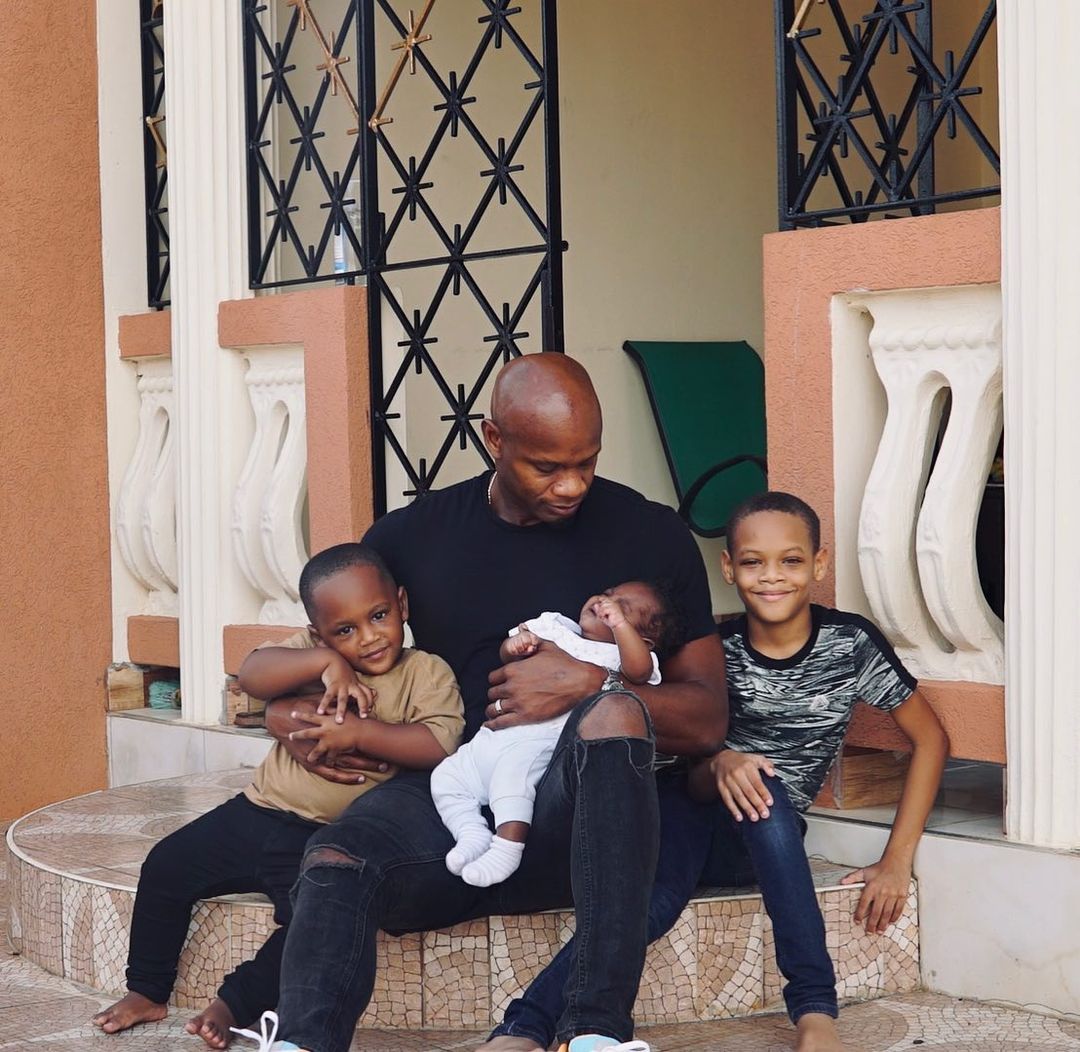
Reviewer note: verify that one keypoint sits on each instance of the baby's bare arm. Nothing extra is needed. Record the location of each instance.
(635, 658)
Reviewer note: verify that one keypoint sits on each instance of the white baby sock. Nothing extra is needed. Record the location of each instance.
(495, 864)
(471, 844)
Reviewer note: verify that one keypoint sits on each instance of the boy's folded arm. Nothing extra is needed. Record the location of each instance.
(280, 723)
(404, 744)
(887, 880)
(270, 672)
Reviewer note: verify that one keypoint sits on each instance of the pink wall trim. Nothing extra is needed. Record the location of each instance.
(973, 715)
(241, 640)
(803, 270)
(331, 325)
(154, 640)
(146, 335)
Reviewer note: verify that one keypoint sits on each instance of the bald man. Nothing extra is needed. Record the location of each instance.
(540, 532)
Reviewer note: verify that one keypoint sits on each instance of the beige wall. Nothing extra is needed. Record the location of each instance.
(54, 513)
(669, 183)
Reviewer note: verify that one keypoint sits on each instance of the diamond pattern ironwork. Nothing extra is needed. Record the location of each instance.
(875, 136)
(459, 231)
(155, 156)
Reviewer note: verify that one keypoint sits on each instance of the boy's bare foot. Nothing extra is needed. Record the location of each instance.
(817, 1033)
(129, 1011)
(212, 1024)
(509, 1043)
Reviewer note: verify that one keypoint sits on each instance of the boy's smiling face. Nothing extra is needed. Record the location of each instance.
(772, 563)
(361, 615)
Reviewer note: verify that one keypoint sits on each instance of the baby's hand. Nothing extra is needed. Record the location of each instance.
(341, 684)
(609, 611)
(522, 645)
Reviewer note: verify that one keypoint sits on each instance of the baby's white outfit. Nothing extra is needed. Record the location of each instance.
(502, 768)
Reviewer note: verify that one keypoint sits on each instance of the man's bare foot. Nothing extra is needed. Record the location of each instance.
(212, 1024)
(817, 1033)
(129, 1011)
(509, 1043)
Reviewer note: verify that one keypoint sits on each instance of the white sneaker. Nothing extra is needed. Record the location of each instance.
(599, 1043)
(268, 1026)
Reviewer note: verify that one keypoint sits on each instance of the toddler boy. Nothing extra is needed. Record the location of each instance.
(411, 717)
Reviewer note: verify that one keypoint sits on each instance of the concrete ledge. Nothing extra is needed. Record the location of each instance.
(74, 867)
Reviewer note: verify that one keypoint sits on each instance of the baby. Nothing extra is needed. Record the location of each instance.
(621, 630)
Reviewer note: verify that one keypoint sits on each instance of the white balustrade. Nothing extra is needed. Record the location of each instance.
(268, 506)
(916, 538)
(146, 504)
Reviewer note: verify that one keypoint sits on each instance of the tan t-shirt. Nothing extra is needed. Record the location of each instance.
(420, 688)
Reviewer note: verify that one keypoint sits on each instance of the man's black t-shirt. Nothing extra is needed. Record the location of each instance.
(471, 577)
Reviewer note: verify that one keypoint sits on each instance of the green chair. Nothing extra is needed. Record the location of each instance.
(709, 403)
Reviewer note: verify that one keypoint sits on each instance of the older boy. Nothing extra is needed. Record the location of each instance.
(795, 671)
(353, 649)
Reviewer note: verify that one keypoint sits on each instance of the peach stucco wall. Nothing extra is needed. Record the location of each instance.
(803, 270)
(54, 501)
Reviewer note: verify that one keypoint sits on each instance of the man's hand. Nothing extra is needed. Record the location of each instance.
(347, 769)
(738, 780)
(341, 683)
(539, 688)
(882, 900)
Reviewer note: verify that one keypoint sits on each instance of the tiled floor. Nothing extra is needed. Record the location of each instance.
(40, 1013)
(969, 804)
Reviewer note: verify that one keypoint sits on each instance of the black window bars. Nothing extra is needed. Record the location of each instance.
(439, 189)
(155, 167)
(863, 97)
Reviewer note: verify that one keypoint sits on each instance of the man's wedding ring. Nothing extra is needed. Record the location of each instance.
(498, 706)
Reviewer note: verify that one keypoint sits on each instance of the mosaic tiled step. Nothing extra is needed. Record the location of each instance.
(73, 868)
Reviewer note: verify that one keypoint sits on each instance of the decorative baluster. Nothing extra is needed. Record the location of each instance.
(945, 536)
(267, 520)
(917, 526)
(146, 505)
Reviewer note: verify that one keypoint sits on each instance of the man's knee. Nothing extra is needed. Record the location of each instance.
(615, 715)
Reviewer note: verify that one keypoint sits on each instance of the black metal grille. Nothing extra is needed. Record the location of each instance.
(448, 201)
(155, 168)
(863, 98)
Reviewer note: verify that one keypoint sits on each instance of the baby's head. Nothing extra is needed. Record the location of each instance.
(650, 606)
(355, 607)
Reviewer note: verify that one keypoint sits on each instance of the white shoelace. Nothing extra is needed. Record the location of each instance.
(268, 1028)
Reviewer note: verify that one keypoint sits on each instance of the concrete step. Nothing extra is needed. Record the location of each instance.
(73, 869)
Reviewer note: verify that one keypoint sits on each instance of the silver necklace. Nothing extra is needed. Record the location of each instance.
(491, 486)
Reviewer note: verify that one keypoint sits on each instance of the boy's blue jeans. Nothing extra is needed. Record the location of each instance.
(382, 864)
(703, 844)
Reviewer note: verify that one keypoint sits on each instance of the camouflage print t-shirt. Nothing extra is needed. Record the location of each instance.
(796, 710)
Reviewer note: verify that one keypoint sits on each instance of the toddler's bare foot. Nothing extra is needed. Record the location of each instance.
(817, 1033)
(508, 1043)
(129, 1011)
(212, 1024)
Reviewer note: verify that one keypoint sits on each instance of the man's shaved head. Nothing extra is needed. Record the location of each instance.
(544, 437)
(550, 390)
